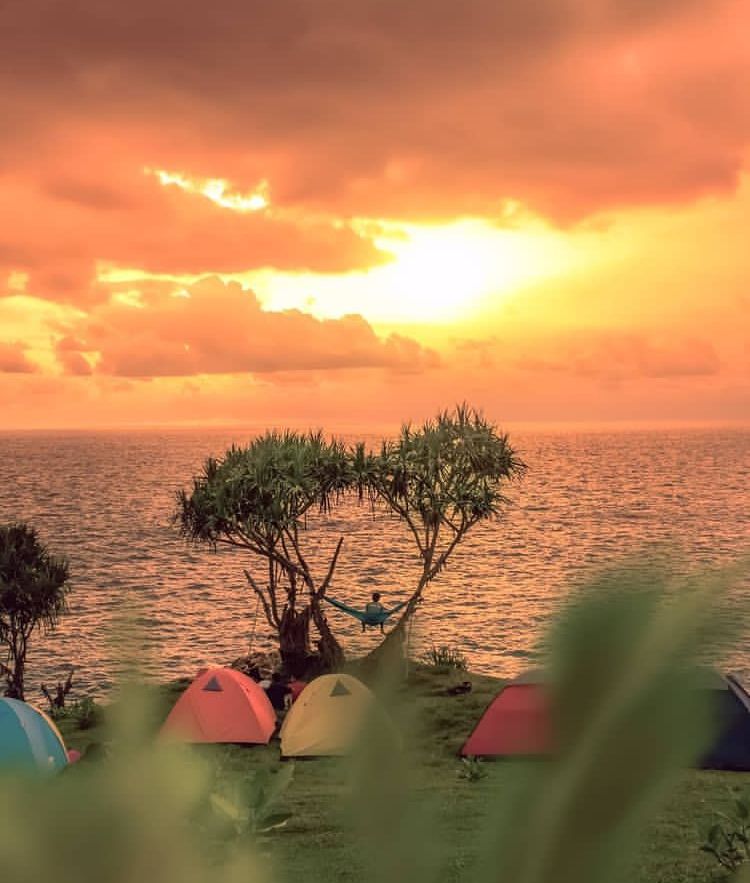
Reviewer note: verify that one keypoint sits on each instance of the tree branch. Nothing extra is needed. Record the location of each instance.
(303, 568)
(261, 550)
(443, 557)
(331, 567)
(403, 513)
(273, 622)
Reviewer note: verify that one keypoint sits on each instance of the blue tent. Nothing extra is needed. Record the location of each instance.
(29, 739)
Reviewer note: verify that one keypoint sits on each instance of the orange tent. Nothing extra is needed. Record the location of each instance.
(222, 705)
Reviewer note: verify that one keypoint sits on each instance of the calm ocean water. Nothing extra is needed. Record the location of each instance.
(105, 499)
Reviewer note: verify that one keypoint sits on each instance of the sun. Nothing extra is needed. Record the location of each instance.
(436, 272)
(443, 273)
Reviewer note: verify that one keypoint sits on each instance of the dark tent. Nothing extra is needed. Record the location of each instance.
(731, 705)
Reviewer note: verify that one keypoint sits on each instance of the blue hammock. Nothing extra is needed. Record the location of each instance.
(363, 616)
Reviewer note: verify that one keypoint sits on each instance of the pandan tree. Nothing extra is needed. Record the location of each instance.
(257, 499)
(33, 589)
(440, 479)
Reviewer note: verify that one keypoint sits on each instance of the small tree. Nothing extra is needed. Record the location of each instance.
(33, 590)
(257, 499)
(440, 480)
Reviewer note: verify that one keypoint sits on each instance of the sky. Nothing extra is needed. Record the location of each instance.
(359, 212)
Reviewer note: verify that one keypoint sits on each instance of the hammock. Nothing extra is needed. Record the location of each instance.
(368, 618)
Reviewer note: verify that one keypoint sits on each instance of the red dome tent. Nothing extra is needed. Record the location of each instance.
(515, 723)
(222, 705)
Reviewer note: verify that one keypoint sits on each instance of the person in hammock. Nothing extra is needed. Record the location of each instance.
(374, 609)
(374, 613)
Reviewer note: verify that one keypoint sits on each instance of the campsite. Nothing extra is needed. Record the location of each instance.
(432, 745)
(315, 843)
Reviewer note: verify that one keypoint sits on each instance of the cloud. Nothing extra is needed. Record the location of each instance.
(374, 109)
(13, 359)
(68, 352)
(388, 109)
(59, 232)
(614, 357)
(213, 328)
(365, 398)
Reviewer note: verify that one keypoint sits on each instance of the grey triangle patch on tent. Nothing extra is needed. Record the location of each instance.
(340, 689)
(213, 686)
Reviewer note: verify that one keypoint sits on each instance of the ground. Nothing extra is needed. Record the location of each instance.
(315, 845)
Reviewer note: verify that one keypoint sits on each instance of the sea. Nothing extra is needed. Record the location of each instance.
(589, 501)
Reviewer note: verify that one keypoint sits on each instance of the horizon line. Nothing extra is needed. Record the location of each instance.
(624, 424)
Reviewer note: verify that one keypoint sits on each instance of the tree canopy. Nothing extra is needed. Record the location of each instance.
(440, 479)
(33, 591)
(256, 495)
(258, 498)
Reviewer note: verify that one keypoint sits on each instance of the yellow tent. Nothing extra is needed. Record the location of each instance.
(327, 717)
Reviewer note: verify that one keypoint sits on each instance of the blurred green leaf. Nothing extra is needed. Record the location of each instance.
(229, 809)
(627, 719)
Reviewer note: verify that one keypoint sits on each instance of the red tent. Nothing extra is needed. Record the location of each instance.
(222, 705)
(515, 723)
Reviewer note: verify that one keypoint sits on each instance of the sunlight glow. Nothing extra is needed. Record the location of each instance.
(215, 189)
(438, 275)
(440, 272)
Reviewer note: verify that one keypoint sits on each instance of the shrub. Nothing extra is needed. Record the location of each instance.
(445, 658)
(728, 841)
(85, 712)
(472, 769)
(248, 804)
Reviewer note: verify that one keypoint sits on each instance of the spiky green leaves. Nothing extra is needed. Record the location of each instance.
(259, 491)
(33, 590)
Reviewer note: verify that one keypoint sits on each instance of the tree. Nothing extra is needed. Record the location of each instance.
(441, 480)
(257, 499)
(33, 589)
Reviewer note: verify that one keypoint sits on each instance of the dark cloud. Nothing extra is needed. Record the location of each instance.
(382, 107)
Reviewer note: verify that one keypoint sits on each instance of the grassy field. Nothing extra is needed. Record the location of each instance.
(317, 845)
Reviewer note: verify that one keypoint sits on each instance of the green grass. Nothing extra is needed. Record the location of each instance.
(316, 845)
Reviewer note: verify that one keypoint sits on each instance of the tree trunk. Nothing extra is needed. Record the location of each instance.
(331, 653)
(294, 639)
(14, 678)
(294, 642)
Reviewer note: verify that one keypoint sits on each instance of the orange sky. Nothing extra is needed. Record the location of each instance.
(354, 212)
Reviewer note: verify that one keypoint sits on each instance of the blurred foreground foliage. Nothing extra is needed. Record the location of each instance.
(621, 667)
